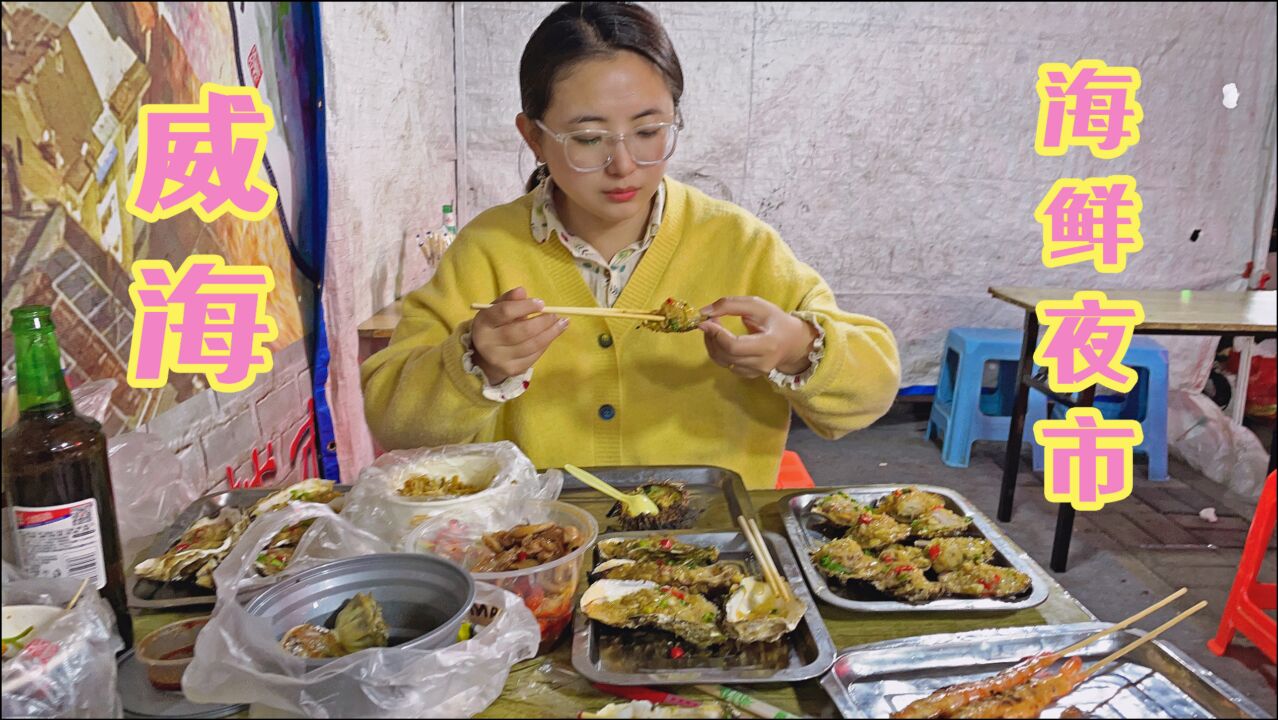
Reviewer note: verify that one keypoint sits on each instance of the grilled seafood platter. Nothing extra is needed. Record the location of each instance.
(908, 546)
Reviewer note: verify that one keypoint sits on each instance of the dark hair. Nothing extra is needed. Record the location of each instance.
(578, 31)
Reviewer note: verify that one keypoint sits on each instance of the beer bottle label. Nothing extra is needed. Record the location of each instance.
(61, 541)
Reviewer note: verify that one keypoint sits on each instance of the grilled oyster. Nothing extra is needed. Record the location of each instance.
(312, 641)
(702, 579)
(754, 613)
(673, 501)
(840, 509)
(938, 523)
(874, 530)
(657, 547)
(949, 554)
(908, 503)
(982, 580)
(314, 490)
(205, 543)
(905, 554)
(844, 559)
(360, 625)
(273, 561)
(639, 603)
(905, 582)
(677, 317)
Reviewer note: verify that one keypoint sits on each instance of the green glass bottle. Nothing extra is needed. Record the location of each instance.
(56, 480)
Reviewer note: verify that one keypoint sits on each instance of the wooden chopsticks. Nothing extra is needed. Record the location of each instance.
(767, 565)
(620, 313)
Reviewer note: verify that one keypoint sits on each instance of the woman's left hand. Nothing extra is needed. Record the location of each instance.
(777, 339)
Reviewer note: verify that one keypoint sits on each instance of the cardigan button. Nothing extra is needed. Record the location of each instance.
(605, 340)
(607, 412)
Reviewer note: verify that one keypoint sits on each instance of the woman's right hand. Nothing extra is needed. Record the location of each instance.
(507, 342)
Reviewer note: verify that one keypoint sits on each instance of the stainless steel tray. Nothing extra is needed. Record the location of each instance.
(157, 595)
(1153, 681)
(717, 493)
(799, 526)
(599, 654)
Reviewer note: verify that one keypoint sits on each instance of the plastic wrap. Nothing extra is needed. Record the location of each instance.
(1202, 435)
(93, 398)
(149, 489)
(67, 669)
(238, 659)
(508, 476)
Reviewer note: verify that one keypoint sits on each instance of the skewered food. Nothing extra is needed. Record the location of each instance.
(908, 503)
(906, 554)
(717, 578)
(638, 603)
(678, 316)
(873, 531)
(427, 487)
(939, 522)
(948, 700)
(844, 559)
(754, 613)
(527, 545)
(673, 501)
(982, 580)
(840, 509)
(657, 547)
(1030, 699)
(906, 582)
(948, 554)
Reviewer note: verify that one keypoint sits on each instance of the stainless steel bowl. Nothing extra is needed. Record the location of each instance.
(424, 599)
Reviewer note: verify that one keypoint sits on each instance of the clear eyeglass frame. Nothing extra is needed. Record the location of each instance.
(612, 138)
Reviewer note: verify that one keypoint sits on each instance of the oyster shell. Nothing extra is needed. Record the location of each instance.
(840, 509)
(844, 559)
(657, 547)
(905, 582)
(908, 503)
(982, 580)
(949, 554)
(273, 561)
(939, 522)
(313, 490)
(906, 554)
(874, 530)
(754, 613)
(674, 504)
(703, 579)
(312, 641)
(639, 603)
(206, 542)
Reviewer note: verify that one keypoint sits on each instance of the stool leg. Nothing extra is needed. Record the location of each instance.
(1155, 423)
(956, 451)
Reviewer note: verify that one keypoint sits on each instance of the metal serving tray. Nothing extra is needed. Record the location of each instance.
(1153, 681)
(717, 493)
(602, 655)
(800, 527)
(163, 595)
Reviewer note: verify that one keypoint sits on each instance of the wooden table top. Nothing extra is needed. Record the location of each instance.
(547, 686)
(383, 323)
(1174, 310)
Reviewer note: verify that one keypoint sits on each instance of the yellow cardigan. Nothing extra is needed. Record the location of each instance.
(606, 392)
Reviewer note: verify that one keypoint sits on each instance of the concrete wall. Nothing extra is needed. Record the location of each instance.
(391, 150)
(892, 145)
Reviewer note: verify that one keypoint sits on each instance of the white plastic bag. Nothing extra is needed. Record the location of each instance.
(1202, 435)
(93, 398)
(238, 659)
(149, 489)
(509, 477)
(67, 669)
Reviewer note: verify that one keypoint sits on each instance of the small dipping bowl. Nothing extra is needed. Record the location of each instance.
(167, 651)
(424, 599)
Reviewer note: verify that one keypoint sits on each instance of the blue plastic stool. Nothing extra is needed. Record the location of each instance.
(1147, 402)
(961, 412)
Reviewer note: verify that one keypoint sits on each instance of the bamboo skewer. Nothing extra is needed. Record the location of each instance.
(619, 313)
(760, 551)
(1119, 625)
(1144, 639)
(77, 595)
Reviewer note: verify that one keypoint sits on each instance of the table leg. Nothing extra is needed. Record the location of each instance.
(1065, 513)
(1012, 460)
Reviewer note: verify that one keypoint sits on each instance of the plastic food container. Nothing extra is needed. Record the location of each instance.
(550, 590)
(167, 651)
(18, 618)
(477, 471)
(424, 599)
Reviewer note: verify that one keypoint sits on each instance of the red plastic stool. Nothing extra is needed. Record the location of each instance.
(1249, 599)
(793, 474)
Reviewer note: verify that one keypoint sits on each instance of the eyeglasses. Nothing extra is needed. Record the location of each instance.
(591, 150)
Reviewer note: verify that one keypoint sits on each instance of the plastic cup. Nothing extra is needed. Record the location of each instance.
(550, 590)
(167, 651)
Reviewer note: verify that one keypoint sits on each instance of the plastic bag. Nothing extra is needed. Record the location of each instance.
(375, 505)
(1202, 435)
(93, 398)
(149, 489)
(67, 669)
(238, 659)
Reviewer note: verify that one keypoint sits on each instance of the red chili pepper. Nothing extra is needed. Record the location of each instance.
(865, 519)
(181, 546)
(666, 543)
(903, 569)
(889, 558)
(522, 556)
(934, 550)
(678, 594)
(938, 507)
(676, 652)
